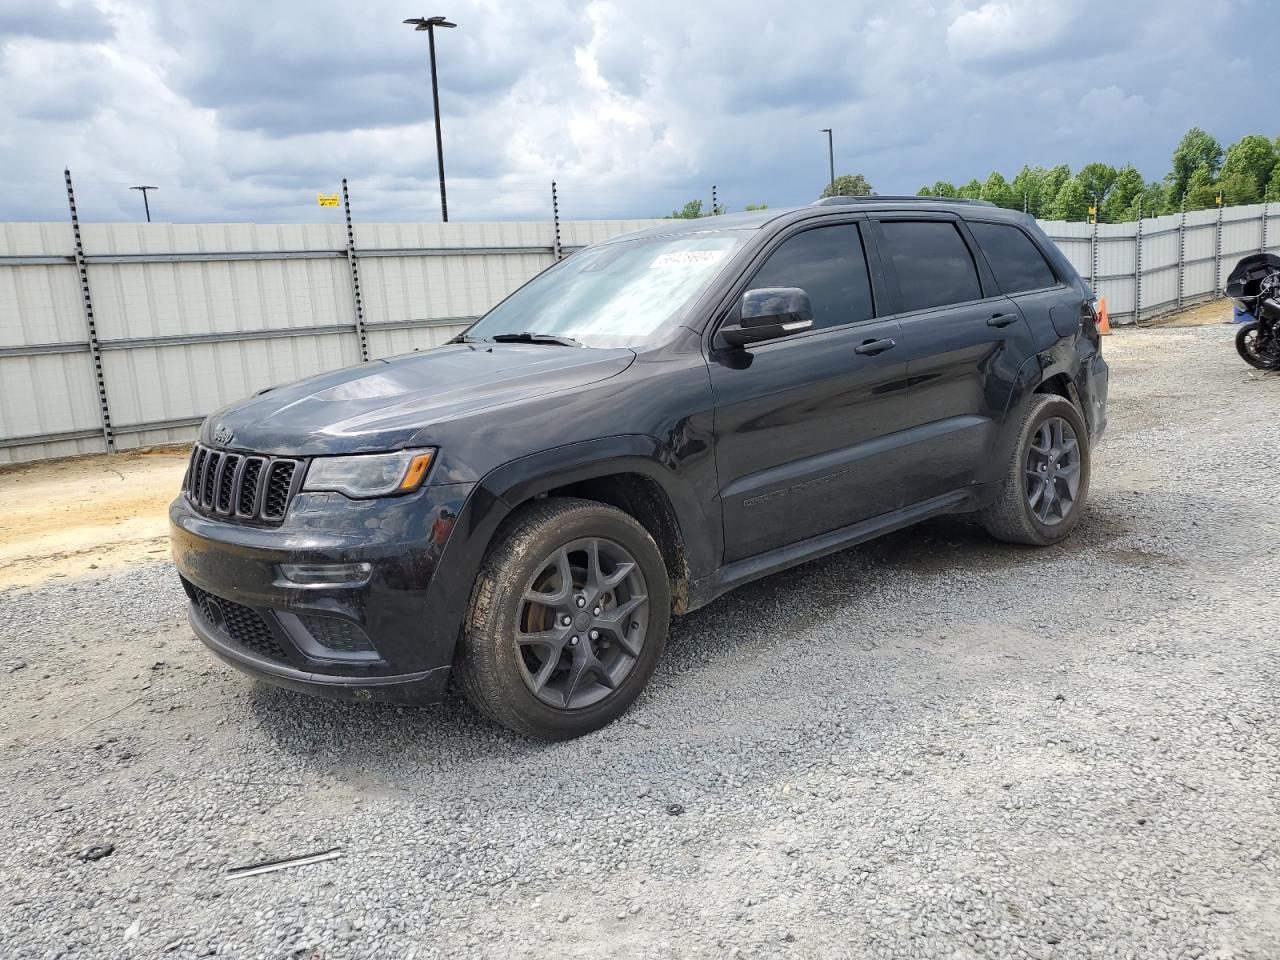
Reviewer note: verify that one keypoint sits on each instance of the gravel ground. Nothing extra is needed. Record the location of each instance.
(931, 746)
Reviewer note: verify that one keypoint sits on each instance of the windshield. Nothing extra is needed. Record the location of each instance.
(617, 295)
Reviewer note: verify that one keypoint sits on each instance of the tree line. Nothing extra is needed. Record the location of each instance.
(1203, 174)
(1248, 171)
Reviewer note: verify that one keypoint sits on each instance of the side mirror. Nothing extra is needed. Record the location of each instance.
(769, 313)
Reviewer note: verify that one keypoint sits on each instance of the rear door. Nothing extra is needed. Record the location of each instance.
(1024, 275)
(809, 429)
(966, 342)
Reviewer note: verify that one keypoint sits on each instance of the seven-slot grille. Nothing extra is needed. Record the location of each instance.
(241, 486)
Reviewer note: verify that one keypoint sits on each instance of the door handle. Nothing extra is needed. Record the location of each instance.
(1002, 320)
(872, 347)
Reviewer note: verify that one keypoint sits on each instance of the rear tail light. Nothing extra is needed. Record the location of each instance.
(1089, 319)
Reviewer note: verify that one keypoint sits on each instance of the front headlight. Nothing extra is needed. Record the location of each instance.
(370, 475)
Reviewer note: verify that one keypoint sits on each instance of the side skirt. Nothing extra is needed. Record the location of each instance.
(702, 592)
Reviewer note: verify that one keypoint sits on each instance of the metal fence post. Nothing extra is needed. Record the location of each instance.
(555, 216)
(1137, 268)
(714, 206)
(353, 263)
(1217, 253)
(1093, 257)
(1266, 207)
(95, 350)
(1182, 248)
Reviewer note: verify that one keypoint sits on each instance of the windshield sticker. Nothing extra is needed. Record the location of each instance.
(683, 258)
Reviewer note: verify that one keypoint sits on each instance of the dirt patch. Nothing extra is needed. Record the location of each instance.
(1211, 311)
(66, 518)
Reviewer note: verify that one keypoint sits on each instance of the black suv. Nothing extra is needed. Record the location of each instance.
(649, 423)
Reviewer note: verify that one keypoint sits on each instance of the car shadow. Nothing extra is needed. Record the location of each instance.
(366, 741)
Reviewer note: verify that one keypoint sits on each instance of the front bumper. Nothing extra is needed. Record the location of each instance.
(388, 637)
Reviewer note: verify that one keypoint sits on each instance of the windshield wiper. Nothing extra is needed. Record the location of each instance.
(527, 337)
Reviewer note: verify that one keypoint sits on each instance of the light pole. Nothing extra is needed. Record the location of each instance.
(831, 159)
(429, 24)
(145, 206)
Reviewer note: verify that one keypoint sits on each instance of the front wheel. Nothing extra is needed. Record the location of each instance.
(1256, 349)
(568, 619)
(1043, 492)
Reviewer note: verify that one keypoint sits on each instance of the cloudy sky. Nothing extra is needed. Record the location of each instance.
(244, 110)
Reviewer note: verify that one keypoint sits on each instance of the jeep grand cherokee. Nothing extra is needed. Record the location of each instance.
(647, 424)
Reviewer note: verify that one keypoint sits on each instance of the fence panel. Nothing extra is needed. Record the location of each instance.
(191, 317)
(1159, 268)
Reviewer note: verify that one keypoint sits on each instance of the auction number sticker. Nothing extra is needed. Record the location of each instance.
(686, 258)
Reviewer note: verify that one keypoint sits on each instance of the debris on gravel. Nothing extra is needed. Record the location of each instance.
(934, 745)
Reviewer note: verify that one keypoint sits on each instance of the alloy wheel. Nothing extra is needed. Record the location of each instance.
(582, 623)
(1053, 471)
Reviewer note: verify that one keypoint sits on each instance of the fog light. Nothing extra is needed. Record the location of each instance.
(330, 574)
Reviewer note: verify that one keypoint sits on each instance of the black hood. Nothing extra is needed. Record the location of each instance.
(385, 404)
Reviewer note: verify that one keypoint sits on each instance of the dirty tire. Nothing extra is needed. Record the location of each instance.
(487, 666)
(1011, 517)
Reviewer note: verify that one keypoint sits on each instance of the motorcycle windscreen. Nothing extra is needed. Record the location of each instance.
(1242, 282)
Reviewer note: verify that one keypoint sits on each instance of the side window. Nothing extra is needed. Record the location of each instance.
(827, 263)
(932, 261)
(1017, 263)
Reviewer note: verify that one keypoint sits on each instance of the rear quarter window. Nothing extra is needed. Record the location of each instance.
(1017, 263)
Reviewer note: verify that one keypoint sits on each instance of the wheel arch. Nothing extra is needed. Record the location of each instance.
(1045, 372)
(634, 473)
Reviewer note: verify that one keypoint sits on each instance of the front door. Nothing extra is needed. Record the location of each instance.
(809, 429)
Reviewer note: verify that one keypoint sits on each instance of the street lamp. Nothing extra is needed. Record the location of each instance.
(429, 24)
(831, 158)
(145, 206)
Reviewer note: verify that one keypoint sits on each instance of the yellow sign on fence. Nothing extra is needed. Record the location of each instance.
(328, 199)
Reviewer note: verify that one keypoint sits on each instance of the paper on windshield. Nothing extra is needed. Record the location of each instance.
(685, 258)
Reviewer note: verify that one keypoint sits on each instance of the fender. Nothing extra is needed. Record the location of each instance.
(515, 482)
(1031, 375)
(504, 488)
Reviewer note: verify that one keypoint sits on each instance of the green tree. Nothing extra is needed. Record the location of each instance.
(690, 211)
(971, 190)
(1071, 202)
(1096, 180)
(1054, 178)
(756, 206)
(1155, 200)
(848, 185)
(1247, 169)
(945, 188)
(1273, 185)
(1121, 201)
(1202, 188)
(1028, 189)
(996, 189)
(925, 191)
(1196, 152)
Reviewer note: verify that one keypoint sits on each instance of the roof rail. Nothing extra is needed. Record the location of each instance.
(872, 198)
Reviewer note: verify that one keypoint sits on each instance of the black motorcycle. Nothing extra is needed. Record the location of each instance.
(1254, 286)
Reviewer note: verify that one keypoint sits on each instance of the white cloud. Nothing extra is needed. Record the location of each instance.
(245, 110)
(1002, 28)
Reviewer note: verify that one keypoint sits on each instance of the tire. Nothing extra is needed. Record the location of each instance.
(1016, 516)
(1247, 344)
(499, 663)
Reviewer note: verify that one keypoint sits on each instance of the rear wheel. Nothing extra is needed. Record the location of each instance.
(1044, 489)
(1255, 349)
(567, 621)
